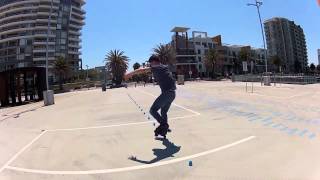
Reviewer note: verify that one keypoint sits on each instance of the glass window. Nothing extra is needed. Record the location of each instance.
(64, 34)
(63, 41)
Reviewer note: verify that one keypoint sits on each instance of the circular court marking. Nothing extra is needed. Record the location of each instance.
(145, 166)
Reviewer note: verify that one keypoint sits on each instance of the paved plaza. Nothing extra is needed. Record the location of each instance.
(219, 131)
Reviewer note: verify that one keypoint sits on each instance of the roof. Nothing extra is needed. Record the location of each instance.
(180, 29)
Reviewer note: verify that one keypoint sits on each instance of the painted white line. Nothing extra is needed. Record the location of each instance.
(183, 117)
(194, 112)
(99, 127)
(145, 166)
(116, 125)
(21, 151)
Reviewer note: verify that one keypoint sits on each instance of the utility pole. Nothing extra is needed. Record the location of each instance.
(47, 46)
(258, 4)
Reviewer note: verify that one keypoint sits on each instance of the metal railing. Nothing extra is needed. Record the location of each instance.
(278, 78)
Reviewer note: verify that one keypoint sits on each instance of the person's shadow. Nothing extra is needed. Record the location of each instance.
(160, 154)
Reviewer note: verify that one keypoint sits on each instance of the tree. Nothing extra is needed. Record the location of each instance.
(61, 67)
(166, 53)
(210, 60)
(318, 68)
(276, 60)
(136, 66)
(117, 64)
(312, 68)
(244, 54)
(297, 67)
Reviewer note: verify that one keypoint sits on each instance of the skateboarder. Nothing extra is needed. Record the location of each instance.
(168, 86)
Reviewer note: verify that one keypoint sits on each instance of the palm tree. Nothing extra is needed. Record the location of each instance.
(117, 63)
(166, 53)
(210, 60)
(61, 67)
(276, 60)
(136, 66)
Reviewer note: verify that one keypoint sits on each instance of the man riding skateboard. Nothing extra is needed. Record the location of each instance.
(167, 85)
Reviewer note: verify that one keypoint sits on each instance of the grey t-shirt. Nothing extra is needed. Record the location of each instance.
(163, 76)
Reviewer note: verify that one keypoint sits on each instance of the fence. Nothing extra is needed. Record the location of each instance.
(285, 79)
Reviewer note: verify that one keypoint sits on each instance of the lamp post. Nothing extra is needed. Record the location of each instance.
(48, 95)
(258, 4)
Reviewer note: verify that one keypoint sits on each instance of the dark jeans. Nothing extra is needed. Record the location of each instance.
(163, 102)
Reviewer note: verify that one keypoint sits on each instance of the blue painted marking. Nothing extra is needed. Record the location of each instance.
(254, 118)
(267, 124)
(267, 119)
(277, 125)
(292, 131)
(302, 133)
(312, 136)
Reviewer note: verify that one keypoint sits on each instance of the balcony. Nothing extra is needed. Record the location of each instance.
(186, 61)
(17, 23)
(74, 32)
(16, 30)
(77, 21)
(47, 14)
(44, 35)
(43, 58)
(42, 27)
(74, 52)
(18, 16)
(75, 39)
(78, 9)
(53, 21)
(185, 53)
(43, 43)
(42, 50)
(75, 26)
(75, 46)
(18, 9)
(48, 7)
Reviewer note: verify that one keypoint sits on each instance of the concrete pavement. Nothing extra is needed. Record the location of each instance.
(227, 133)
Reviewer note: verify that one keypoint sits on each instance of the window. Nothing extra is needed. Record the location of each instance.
(199, 59)
(63, 41)
(199, 51)
(63, 34)
(204, 45)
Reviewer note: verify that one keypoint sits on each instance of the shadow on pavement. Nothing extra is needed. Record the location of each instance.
(160, 154)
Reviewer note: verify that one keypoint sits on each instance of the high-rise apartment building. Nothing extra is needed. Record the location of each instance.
(318, 56)
(287, 40)
(28, 26)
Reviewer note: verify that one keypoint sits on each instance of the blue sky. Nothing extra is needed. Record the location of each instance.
(136, 26)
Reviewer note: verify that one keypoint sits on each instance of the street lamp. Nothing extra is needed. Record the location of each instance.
(48, 94)
(258, 4)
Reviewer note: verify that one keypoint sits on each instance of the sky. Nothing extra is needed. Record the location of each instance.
(137, 26)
